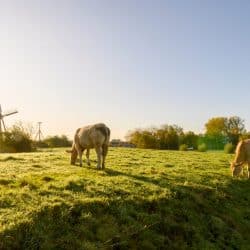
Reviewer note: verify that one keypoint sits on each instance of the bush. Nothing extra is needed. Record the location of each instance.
(41, 144)
(18, 139)
(190, 139)
(57, 141)
(202, 147)
(229, 148)
(183, 147)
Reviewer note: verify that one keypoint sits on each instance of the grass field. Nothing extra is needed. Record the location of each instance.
(145, 199)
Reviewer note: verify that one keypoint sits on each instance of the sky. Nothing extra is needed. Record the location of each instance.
(130, 64)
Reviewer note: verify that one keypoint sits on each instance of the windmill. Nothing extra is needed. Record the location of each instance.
(2, 116)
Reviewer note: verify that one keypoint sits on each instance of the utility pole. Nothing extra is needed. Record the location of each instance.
(39, 132)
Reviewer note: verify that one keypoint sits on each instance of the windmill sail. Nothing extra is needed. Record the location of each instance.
(12, 112)
(2, 115)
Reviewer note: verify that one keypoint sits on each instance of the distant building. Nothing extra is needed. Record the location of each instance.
(120, 143)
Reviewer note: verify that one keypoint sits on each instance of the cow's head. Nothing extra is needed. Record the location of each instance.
(73, 155)
(236, 168)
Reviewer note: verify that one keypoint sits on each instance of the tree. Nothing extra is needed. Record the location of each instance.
(235, 128)
(143, 138)
(216, 126)
(223, 128)
(190, 139)
(134, 136)
(166, 137)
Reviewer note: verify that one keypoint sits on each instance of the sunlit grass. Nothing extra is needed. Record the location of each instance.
(145, 199)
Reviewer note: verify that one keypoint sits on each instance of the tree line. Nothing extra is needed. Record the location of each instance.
(219, 131)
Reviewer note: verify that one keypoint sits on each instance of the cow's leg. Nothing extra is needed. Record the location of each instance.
(87, 156)
(104, 154)
(80, 151)
(98, 150)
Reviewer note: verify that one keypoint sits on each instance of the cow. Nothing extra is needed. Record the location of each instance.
(242, 157)
(95, 136)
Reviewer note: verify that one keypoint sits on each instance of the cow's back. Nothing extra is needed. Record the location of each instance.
(242, 152)
(93, 135)
(83, 136)
(103, 130)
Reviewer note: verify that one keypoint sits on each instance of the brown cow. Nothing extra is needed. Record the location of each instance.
(242, 157)
(94, 136)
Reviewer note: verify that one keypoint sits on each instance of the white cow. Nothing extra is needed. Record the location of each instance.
(93, 136)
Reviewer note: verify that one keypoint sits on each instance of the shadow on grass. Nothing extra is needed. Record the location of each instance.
(11, 158)
(5, 181)
(197, 218)
(142, 178)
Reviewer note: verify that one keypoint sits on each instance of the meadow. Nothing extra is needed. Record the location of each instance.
(145, 199)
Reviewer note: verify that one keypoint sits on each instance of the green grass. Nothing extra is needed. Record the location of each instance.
(145, 199)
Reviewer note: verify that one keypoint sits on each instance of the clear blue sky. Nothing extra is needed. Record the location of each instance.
(133, 63)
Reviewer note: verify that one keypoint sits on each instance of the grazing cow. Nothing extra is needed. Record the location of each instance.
(242, 157)
(94, 136)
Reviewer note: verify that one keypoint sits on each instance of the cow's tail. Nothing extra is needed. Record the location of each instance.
(106, 133)
(72, 148)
